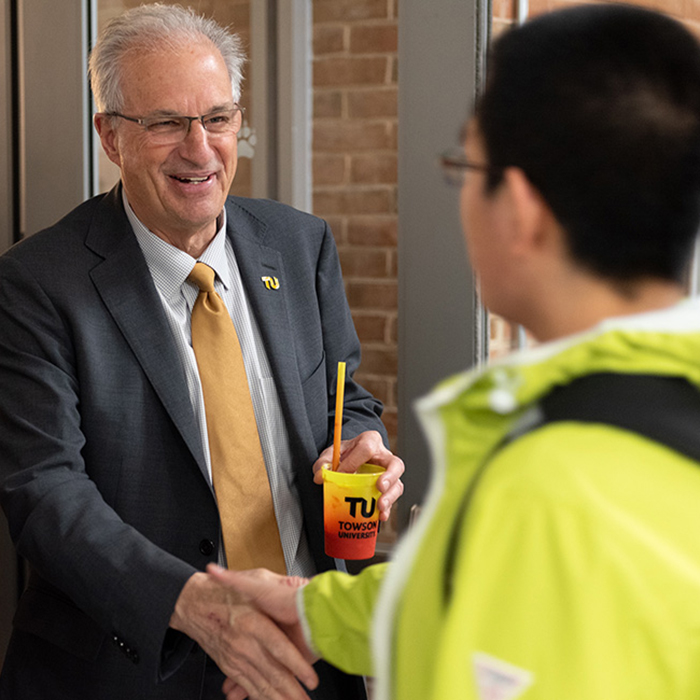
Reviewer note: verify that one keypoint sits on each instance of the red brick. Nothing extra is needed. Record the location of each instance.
(372, 328)
(241, 185)
(380, 388)
(355, 123)
(372, 295)
(374, 169)
(351, 135)
(365, 201)
(393, 263)
(328, 39)
(328, 169)
(503, 9)
(235, 15)
(364, 262)
(328, 104)
(394, 330)
(373, 102)
(691, 10)
(379, 361)
(394, 396)
(350, 71)
(393, 128)
(373, 230)
(381, 38)
(670, 7)
(349, 10)
(338, 225)
(539, 6)
(535, 7)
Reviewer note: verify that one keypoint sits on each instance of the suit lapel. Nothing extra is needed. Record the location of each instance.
(257, 261)
(124, 283)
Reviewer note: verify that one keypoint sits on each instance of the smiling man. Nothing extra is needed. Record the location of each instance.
(162, 405)
(175, 174)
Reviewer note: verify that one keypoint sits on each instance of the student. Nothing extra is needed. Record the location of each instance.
(559, 562)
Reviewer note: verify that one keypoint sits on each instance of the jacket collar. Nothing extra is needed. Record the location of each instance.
(267, 287)
(665, 341)
(126, 287)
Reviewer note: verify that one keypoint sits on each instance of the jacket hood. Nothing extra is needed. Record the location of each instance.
(665, 342)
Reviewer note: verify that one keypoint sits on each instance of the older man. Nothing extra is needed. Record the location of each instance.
(137, 447)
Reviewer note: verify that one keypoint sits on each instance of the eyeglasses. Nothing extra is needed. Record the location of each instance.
(168, 129)
(454, 165)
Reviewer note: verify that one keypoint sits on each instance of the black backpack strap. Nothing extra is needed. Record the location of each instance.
(662, 408)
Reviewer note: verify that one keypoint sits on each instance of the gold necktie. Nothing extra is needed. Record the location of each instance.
(249, 526)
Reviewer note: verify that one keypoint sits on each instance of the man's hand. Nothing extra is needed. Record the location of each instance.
(255, 654)
(368, 447)
(273, 595)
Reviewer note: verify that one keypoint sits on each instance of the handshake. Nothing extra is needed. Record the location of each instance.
(247, 622)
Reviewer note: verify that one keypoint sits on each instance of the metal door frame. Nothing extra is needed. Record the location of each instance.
(442, 326)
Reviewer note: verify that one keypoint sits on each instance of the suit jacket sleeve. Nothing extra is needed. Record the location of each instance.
(86, 558)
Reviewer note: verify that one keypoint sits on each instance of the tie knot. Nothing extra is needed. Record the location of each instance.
(203, 276)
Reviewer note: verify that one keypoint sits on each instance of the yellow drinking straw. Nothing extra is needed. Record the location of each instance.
(340, 391)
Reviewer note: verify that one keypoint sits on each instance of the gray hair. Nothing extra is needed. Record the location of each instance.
(151, 28)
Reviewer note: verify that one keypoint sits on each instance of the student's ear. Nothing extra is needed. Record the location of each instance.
(104, 126)
(529, 211)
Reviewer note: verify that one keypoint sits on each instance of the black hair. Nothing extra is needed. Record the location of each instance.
(600, 107)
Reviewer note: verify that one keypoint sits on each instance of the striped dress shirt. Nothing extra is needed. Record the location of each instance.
(169, 267)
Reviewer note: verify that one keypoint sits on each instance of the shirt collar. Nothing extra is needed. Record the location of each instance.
(169, 266)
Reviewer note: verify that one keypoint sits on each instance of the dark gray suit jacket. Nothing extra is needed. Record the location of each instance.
(101, 465)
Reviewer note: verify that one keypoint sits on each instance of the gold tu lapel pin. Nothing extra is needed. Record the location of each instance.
(271, 282)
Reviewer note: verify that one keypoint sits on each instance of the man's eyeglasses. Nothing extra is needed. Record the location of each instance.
(454, 165)
(169, 129)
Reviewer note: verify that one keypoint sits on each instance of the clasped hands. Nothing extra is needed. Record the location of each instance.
(247, 621)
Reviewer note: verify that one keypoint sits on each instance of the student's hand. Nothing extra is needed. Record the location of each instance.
(368, 447)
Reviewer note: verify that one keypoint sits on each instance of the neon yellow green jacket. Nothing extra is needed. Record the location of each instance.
(577, 569)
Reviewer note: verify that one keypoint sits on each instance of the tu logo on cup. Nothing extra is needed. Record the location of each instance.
(350, 512)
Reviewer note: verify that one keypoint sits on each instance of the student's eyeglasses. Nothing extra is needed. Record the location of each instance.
(454, 165)
(170, 129)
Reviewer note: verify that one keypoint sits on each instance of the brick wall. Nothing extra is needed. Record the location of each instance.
(355, 172)
(686, 10)
(504, 11)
